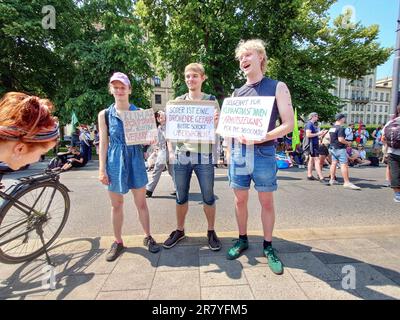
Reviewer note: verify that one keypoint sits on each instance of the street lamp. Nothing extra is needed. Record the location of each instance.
(396, 64)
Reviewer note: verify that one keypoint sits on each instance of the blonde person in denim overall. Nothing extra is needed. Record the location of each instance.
(122, 167)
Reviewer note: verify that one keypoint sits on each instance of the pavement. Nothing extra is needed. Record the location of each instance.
(342, 262)
(327, 263)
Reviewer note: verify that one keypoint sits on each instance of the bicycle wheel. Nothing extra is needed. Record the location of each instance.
(44, 206)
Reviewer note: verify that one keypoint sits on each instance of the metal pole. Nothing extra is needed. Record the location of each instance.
(396, 63)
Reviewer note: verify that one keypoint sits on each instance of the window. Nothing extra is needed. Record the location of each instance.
(357, 107)
(386, 109)
(369, 108)
(158, 98)
(375, 108)
(368, 119)
(370, 83)
(369, 94)
(380, 108)
(157, 82)
(353, 107)
(381, 96)
(376, 95)
(374, 121)
(387, 96)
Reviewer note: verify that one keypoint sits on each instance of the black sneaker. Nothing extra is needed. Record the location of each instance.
(312, 178)
(151, 244)
(173, 193)
(115, 251)
(149, 194)
(213, 242)
(174, 238)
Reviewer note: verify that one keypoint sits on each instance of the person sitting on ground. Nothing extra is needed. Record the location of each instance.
(77, 161)
(362, 156)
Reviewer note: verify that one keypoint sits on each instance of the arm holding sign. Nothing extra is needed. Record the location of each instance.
(285, 109)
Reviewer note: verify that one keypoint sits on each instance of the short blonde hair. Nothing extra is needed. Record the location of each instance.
(196, 67)
(254, 44)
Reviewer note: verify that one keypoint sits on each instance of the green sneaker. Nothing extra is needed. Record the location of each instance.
(239, 246)
(273, 261)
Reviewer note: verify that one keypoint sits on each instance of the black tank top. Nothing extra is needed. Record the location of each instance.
(266, 87)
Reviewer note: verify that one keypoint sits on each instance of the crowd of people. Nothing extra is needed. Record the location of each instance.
(31, 131)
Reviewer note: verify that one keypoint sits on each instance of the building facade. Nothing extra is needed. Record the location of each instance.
(366, 100)
(162, 92)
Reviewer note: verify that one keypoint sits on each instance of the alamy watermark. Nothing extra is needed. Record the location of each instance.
(349, 278)
(49, 20)
(49, 278)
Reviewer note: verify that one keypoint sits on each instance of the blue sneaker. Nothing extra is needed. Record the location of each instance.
(396, 197)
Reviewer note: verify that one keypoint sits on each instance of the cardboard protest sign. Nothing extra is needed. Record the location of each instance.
(190, 121)
(139, 126)
(245, 116)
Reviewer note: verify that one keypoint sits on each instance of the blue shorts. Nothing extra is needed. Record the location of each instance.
(339, 155)
(257, 163)
(203, 167)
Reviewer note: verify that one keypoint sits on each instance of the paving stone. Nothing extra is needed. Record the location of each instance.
(306, 267)
(129, 281)
(176, 285)
(82, 287)
(369, 283)
(240, 292)
(123, 295)
(216, 271)
(179, 259)
(265, 285)
(330, 290)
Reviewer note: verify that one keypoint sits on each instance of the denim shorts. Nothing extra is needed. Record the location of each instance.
(257, 163)
(339, 155)
(203, 167)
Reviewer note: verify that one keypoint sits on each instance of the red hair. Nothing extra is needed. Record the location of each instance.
(27, 119)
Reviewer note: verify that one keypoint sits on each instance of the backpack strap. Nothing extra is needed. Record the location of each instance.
(106, 118)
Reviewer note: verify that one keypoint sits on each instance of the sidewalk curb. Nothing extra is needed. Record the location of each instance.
(192, 239)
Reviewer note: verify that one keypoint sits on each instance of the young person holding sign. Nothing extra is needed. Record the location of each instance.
(189, 157)
(255, 160)
(122, 166)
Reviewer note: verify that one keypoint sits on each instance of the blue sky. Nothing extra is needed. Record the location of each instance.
(381, 12)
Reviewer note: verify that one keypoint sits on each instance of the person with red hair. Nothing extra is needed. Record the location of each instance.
(27, 129)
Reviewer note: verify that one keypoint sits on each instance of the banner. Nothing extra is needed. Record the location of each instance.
(245, 116)
(139, 126)
(190, 121)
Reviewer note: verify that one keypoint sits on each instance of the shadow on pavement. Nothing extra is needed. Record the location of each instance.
(30, 279)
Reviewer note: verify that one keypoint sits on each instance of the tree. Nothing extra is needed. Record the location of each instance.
(304, 51)
(71, 64)
(29, 55)
(111, 41)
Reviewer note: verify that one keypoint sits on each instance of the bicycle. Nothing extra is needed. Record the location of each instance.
(32, 216)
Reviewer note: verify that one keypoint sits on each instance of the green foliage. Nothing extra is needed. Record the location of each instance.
(71, 64)
(304, 51)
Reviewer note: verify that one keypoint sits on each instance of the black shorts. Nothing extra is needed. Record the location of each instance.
(323, 150)
(314, 151)
(394, 165)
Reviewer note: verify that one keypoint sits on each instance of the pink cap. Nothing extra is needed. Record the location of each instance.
(119, 76)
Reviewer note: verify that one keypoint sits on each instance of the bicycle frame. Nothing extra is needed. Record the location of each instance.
(29, 211)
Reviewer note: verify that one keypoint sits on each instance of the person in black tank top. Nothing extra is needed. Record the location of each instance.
(258, 157)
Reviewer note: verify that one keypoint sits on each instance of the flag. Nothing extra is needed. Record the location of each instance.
(74, 120)
(296, 134)
(358, 139)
